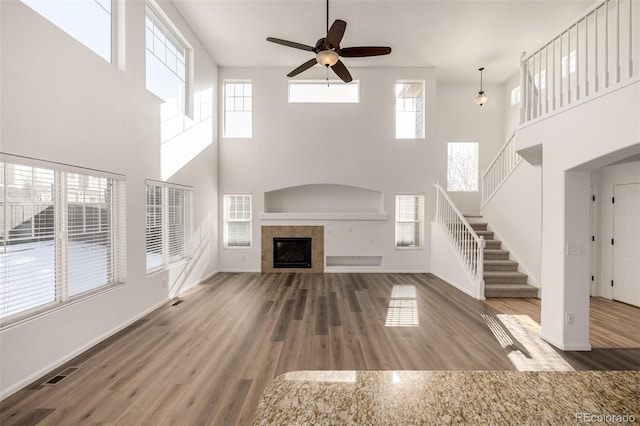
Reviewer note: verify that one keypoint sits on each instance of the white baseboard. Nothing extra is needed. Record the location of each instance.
(563, 347)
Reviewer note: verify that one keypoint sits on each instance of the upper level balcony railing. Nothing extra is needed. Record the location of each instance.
(600, 50)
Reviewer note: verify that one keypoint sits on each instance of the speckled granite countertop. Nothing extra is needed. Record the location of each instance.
(451, 397)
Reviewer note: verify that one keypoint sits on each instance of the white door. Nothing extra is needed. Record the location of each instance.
(626, 247)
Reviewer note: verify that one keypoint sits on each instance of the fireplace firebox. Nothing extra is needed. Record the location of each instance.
(292, 252)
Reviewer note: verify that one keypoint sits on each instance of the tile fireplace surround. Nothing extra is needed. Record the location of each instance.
(316, 233)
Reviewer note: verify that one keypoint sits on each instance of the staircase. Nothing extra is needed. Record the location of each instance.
(501, 276)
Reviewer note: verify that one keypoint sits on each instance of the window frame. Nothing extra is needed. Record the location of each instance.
(188, 102)
(477, 166)
(225, 111)
(420, 109)
(419, 221)
(113, 27)
(165, 244)
(62, 235)
(331, 83)
(226, 207)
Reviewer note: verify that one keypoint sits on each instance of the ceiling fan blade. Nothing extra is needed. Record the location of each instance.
(342, 72)
(334, 36)
(291, 44)
(303, 67)
(363, 51)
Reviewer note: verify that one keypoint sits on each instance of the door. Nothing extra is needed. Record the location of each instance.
(594, 241)
(626, 247)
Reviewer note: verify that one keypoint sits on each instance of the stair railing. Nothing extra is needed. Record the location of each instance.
(499, 170)
(596, 52)
(469, 245)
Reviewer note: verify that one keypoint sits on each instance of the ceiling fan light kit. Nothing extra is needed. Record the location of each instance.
(328, 51)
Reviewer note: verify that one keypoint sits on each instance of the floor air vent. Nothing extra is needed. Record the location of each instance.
(177, 302)
(58, 378)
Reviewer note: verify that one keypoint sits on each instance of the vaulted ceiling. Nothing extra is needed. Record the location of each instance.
(455, 36)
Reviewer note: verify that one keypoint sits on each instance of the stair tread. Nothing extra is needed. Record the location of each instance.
(496, 251)
(504, 274)
(509, 287)
(500, 262)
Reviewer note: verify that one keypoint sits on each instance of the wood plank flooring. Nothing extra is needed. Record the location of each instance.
(613, 324)
(207, 360)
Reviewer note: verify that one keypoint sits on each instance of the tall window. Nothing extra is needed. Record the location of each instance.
(237, 221)
(515, 96)
(237, 109)
(166, 56)
(61, 237)
(322, 91)
(168, 225)
(410, 110)
(569, 64)
(462, 166)
(88, 21)
(409, 220)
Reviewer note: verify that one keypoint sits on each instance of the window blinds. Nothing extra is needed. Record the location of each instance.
(409, 214)
(62, 236)
(237, 220)
(168, 232)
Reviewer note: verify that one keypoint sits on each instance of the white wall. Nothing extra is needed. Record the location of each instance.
(461, 120)
(63, 103)
(578, 139)
(346, 144)
(514, 213)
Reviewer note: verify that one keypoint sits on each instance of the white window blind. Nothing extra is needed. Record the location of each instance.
(168, 230)
(62, 236)
(237, 220)
(409, 219)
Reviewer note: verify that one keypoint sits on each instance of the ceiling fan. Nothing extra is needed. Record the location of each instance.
(328, 50)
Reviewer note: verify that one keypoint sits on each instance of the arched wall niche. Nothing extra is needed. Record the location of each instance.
(324, 198)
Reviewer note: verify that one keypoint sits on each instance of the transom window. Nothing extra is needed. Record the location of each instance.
(61, 237)
(409, 110)
(237, 109)
(322, 91)
(515, 96)
(87, 21)
(409, 220)
(462, 166)
(166, 59)
(237, 220)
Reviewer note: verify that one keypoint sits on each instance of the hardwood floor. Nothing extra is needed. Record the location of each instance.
(613, 324)
(207, 360)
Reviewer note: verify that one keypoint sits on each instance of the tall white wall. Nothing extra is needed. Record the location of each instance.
(461, 120)
(63, 103)
(346, 144)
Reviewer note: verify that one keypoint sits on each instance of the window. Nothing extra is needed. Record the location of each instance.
(322, 91)
(409, 219)
(540, 80)
(87, 21)
(462, 166)
(409, 110)
(61, 237)
(166, 59)
(168, 225)
(237, 109)
(237, 221)
(515, 96)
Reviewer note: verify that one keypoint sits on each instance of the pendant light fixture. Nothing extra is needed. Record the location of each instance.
(481, 99)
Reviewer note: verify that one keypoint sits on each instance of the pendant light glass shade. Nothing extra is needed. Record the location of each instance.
(481, 99)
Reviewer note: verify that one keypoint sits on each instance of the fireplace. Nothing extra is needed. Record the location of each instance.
(291, 252)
